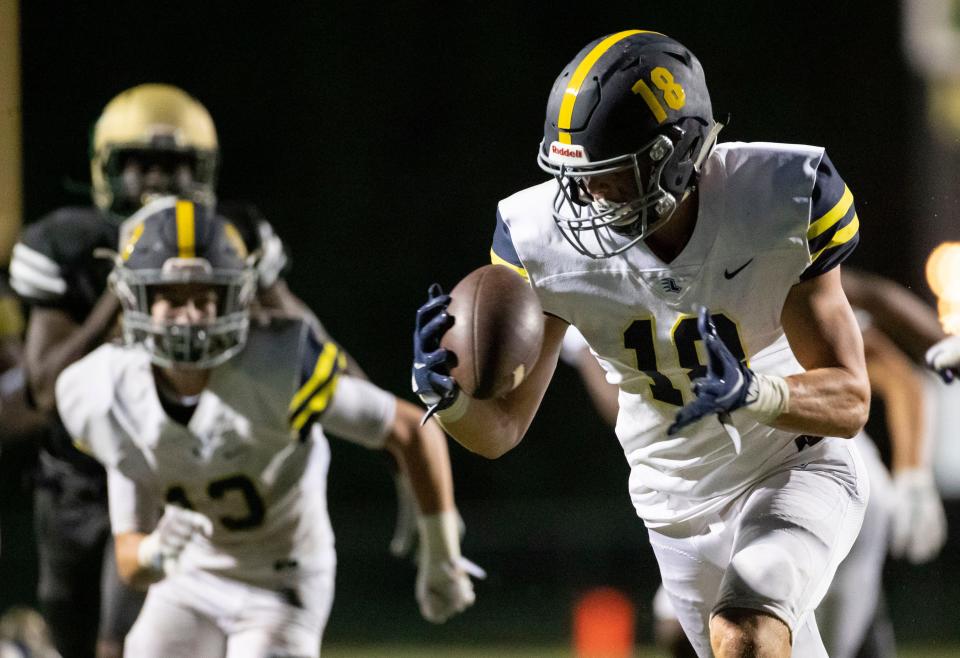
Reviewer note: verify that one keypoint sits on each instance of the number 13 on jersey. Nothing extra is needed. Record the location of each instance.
(639, 337)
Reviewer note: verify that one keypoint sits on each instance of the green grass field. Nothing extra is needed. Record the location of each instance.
(494, 651)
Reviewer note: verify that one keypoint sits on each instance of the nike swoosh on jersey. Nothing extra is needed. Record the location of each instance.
(727, 274)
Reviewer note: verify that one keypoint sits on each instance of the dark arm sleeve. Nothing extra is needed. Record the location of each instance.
(320, 368)
(834, 229)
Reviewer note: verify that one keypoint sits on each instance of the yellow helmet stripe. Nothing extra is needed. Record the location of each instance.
(132, 241)
(580, 74)
(186, 230)
(233, 235)
(832, 216)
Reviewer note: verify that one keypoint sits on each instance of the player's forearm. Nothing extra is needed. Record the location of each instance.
(422, 452)
(896, 311)
(894, 379)
(826, 402)
(905, 424)
(134, 574)
(488, 427)
(493, 427)
(605, 396)
(46, 358)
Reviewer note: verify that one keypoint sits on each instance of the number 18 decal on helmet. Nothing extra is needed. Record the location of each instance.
(629, 122)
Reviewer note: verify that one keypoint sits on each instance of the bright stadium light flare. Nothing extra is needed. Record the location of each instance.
(943, 275)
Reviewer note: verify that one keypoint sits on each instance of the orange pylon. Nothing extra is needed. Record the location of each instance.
(603, 624)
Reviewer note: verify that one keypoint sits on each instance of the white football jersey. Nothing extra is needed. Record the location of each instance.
(770, 215)
(252, 457)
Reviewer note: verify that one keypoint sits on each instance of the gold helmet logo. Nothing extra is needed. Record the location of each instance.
(153, 117)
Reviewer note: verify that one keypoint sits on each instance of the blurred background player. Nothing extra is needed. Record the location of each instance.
(24, 634)
(150, 140)
(19, 421)
(904, 517)
(228, 436)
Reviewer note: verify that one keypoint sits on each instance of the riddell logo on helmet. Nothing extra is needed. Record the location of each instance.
(568, 153)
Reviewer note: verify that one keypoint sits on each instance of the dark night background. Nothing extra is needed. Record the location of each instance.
(378, 137)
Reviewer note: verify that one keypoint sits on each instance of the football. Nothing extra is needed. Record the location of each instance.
(497, 331)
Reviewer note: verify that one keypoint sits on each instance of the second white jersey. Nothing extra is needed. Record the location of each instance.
(237, 460)
(756, 236)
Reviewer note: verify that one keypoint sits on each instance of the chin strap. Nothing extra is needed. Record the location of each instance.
(709, 142)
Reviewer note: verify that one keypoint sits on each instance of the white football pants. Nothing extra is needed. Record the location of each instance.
(198, 614)
(775, 548)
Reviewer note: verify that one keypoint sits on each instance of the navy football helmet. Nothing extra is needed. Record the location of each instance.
(637, 102)
(177, 242)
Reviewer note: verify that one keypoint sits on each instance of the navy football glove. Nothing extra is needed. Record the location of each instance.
(725, 386)
(431, 363)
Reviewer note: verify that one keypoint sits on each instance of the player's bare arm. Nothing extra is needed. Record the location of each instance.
(422, 451)
(575, 352)
(895, 310)
(55, 340)
(918, 524)
(131, 571)
(832, 398)
(894, 379)
(493, 427)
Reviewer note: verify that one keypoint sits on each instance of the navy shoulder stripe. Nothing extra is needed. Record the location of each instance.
(502, 252)
(834, 229)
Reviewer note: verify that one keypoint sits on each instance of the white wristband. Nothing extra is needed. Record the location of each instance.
(148, 553)
(440, 535)
(456, 410)
(768, 397)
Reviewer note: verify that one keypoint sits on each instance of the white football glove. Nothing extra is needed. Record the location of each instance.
(944, 357)
(443, 577)
(160, 550)
(919, 524)
(273, 257)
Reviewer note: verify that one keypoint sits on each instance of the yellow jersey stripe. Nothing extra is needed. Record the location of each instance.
(317, 404)
(325, 363)
(840, 237)
(496, 260)
(186, 230)
(833, 215)
(84, 448)
(580, 74)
